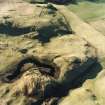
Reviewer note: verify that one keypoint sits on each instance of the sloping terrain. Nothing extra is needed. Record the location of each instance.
(99, 25)
(49, 56)
(92, 12)
(89, 91)
(84, 30)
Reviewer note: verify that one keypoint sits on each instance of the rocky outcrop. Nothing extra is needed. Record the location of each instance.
(84, 30)
(42, 60)
(90, 93)
(46, 21)
(50, 67)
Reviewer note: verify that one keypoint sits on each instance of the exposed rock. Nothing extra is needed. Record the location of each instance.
(57, 64)
(41, 61)
(90, 88)
(84, 30)
(41, 19)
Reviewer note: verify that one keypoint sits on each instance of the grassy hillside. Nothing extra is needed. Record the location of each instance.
(88, 10)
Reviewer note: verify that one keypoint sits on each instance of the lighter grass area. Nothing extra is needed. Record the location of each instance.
(89, 11)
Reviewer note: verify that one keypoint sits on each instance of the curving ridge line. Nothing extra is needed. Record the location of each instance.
(84, 30)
